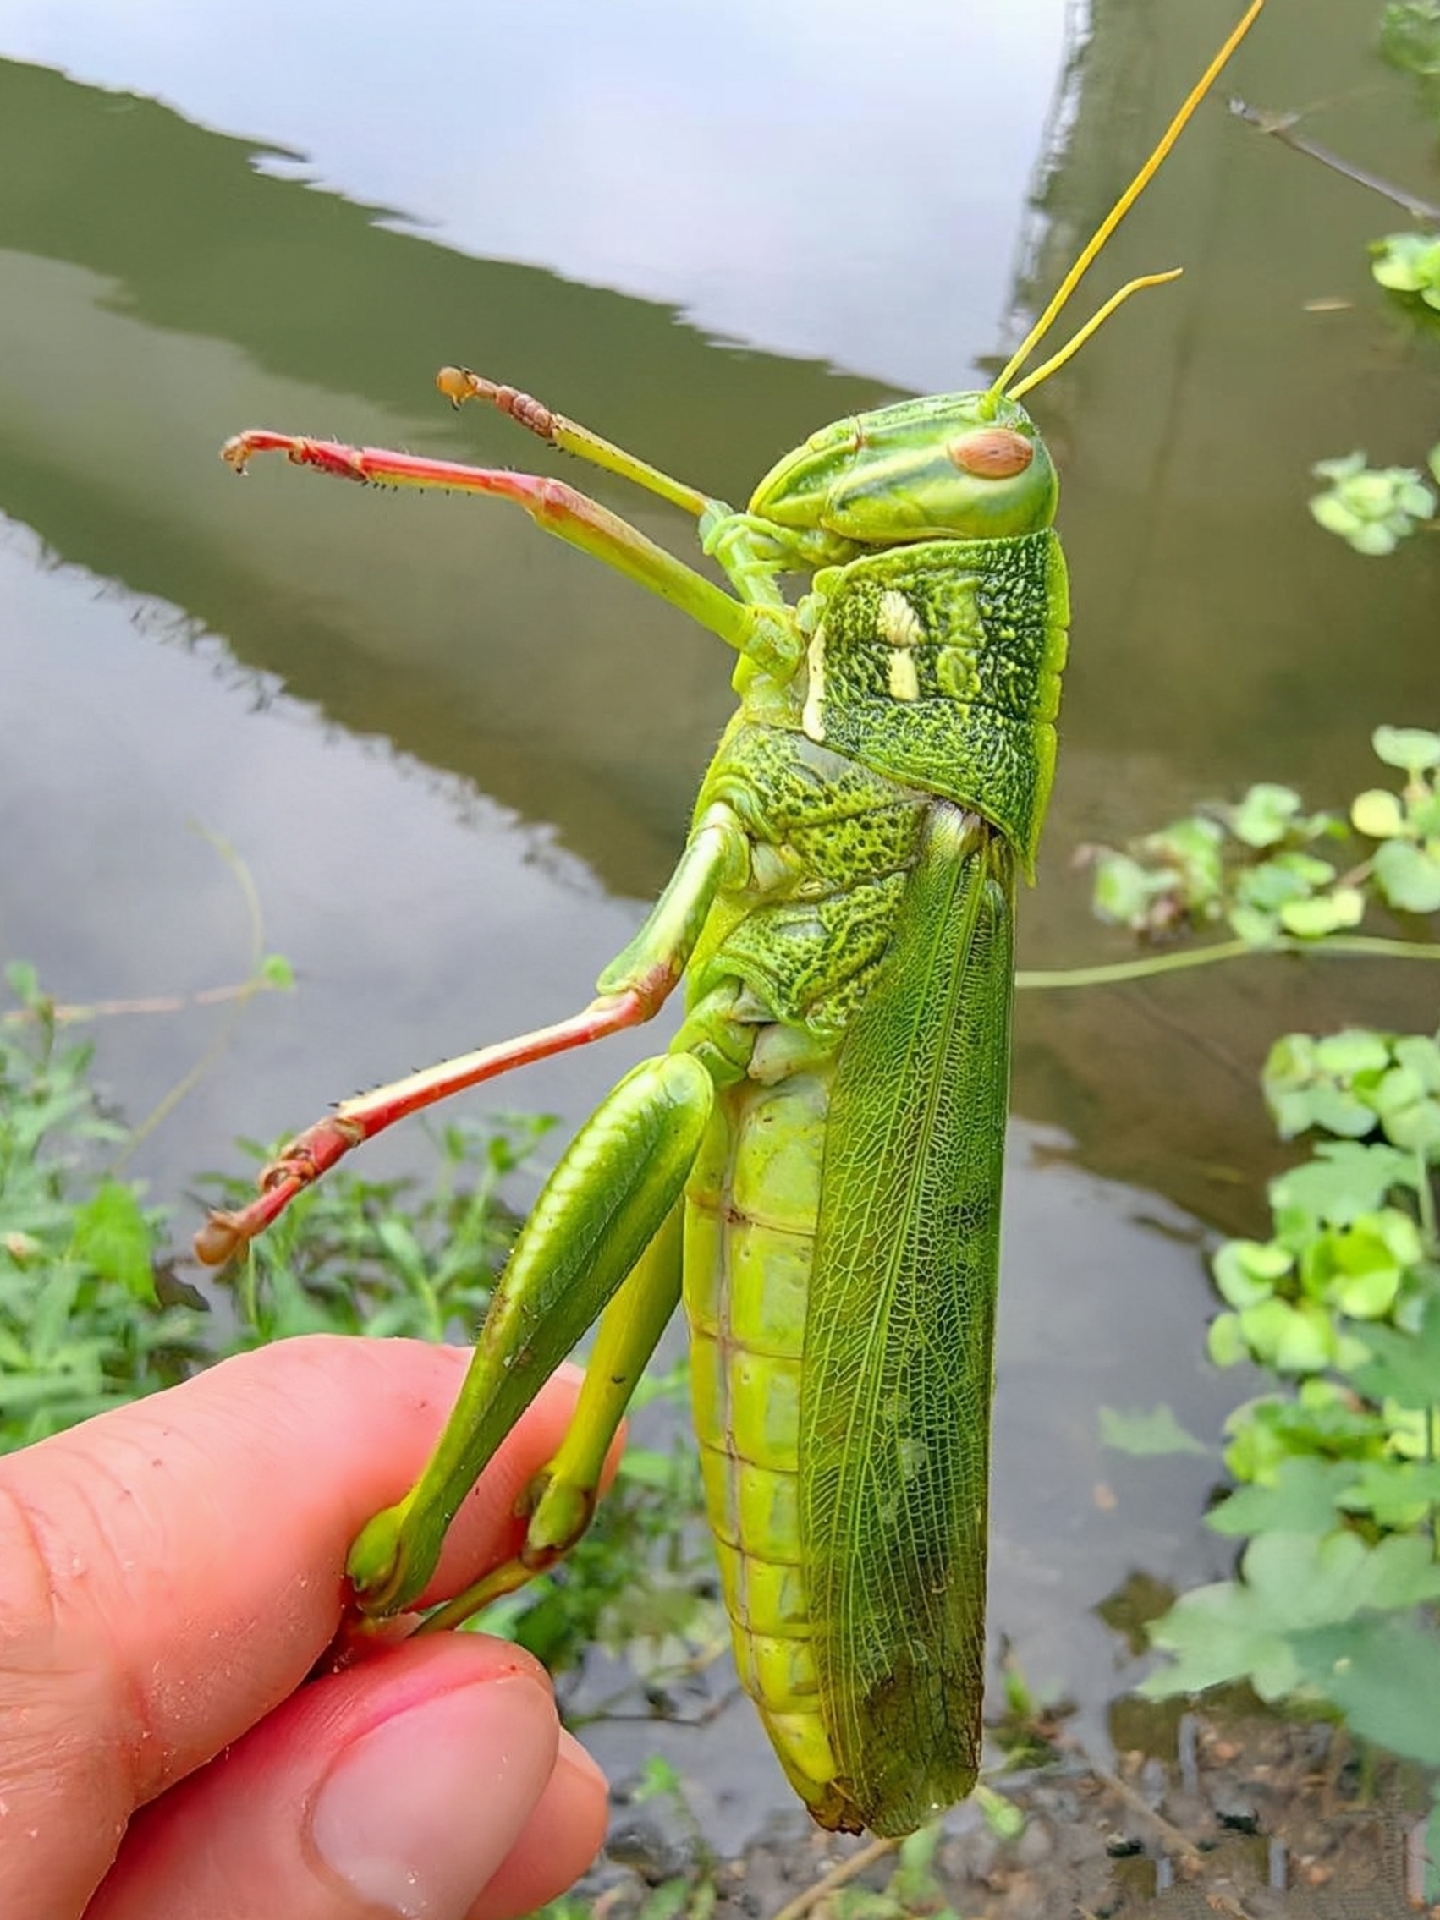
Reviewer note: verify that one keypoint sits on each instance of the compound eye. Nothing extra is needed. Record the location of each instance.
(992, 453)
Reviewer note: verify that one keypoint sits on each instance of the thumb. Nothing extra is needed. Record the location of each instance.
(432, 1780)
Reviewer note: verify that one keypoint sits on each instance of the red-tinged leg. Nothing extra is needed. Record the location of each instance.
(313, 1152)
(767, 635)
(632, 988)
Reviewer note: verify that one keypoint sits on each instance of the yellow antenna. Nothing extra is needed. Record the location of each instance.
(1112, 220)
(1096, 320)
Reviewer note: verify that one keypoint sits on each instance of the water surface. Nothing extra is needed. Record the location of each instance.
(456, 758)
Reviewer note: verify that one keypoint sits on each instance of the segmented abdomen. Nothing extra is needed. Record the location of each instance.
(750, 1221)
(781, 971)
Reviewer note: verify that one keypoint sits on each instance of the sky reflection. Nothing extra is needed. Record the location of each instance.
(789, 176)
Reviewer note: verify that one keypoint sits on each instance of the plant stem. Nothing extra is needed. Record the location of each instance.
(1113, 972)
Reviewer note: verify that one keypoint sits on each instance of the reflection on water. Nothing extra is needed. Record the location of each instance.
(786, 176)
(455, 755)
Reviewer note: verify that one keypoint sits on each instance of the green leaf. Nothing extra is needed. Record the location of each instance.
(1291, 1339)
(1256, 929)
(1001, 1815)
(1332, 513)
(1410, 748)
(1396, 1493)
(1291, 1583)
(1274, 884)
(1343, 1180)
(1383, 1675)
(276, 971)
(658, 1778)
(1408, 876)
(1143, 1434)
(1265, 815)
(400, 1243)
(1377, 813)
(1355, 1050)
(1396, 1089)
(1345, 466)
(1404, 1367)
(1367, 1261)
(1327, 913)
(111, 1235)
(1224, 1342)
(1369, 1295)
(1341, 1113)
(1416, 1127)
(1123, 890)
(1302, 1498)
(1246, 1270)
(1406, 262)
(23, 981)
(1421, 1056)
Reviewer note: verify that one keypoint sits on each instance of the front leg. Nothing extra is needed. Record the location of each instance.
(632, 990)
(765, 635)
(615, 1187)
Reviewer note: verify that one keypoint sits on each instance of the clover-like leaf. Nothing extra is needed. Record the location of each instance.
(1290, 1583)
(1355, 1050)
(1377, 813)
(1225, 1343)
(1343, 1180)
(1246, 1270)
(1326, 913)
(1404, 1367)
(1420, 1055)
(1340, 1113)
(1291, 1339)
(1406, 262)
(1302, 1498)
(1395, 1493)
(1257, 929)
(1323, 1418)
(1367, 1261)
(1383, 1675)
(1345, 466)
(1408, 876)
(1411, 748)
(1123, 889)
(1265, 815)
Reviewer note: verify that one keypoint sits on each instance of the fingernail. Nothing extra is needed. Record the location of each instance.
(574, 1757)
(418, 1813)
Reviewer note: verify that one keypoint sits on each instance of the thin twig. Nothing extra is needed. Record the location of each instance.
(1175, 1841)
(69, 1013)
(234, 1013)
(1281, 127)
(838, 1876)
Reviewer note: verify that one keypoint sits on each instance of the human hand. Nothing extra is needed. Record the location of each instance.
(169, 1574)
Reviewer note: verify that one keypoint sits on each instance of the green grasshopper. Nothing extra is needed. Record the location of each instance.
(816, 1161)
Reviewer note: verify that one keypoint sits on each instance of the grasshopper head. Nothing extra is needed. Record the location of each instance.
(964, 466)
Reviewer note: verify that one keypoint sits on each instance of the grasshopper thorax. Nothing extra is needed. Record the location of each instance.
(964, 466)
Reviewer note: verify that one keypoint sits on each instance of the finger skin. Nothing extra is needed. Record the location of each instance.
(170, 1572)
(234, 1841)
(558, 1842)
